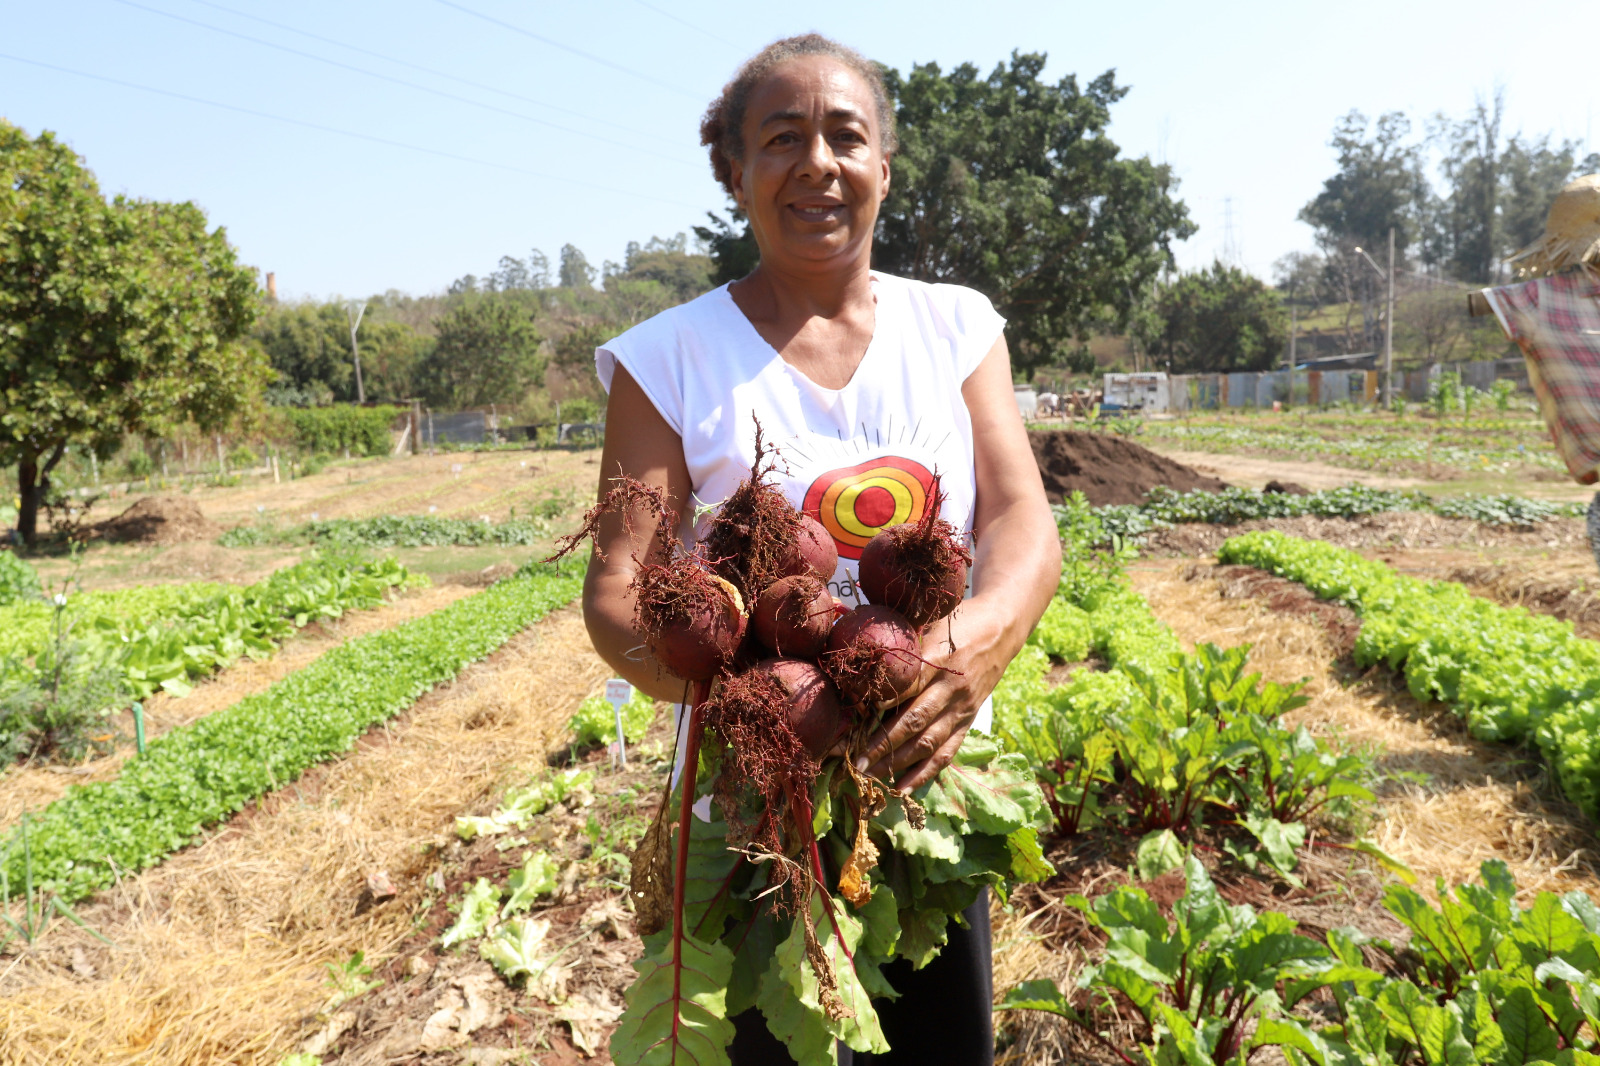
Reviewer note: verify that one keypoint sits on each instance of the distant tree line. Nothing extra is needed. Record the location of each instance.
(516, 337)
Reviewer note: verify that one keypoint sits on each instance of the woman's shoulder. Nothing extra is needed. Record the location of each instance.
(666, 329)
(956, 310)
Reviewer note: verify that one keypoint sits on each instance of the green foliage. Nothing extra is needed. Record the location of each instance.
(115, 317)
(309, 348)
(1185, 739)
(522, 805)
(1010, 184)
(1370, 447)
(1512, 675)
(1214, 320)
(1234, 505)
(395, 531)
(488, 351)
(1480, 981)
(198, 774)
(18, 580)
(360, 430)
(596, 721)
(60, 709)
(198, 634)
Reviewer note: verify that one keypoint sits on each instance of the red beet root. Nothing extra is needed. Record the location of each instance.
(872, 656)
(794, 616)
(919, 568)
(814, 551)
(692, 620)
(812, 703)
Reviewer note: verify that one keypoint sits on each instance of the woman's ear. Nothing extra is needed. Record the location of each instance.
(883, 187)
(736, 182)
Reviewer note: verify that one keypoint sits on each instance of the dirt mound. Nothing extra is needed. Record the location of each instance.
(159, 520)
(1108, 469)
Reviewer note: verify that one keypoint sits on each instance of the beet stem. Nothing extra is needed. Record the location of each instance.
(688, 779)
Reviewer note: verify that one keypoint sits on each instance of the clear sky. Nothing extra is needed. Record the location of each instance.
(494, 126)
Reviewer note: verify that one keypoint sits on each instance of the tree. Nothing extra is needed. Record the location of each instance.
(1377, 187)
(683, 274)
(308, 346)
(576, 273)
(1010, 184)
(115, 317)
(733, 251)
(1216, 320)
(488, 352)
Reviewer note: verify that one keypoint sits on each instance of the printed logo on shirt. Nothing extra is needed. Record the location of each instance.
(854, 502)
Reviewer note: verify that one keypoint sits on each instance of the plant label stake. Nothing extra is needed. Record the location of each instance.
(138, 726)
(619, 692)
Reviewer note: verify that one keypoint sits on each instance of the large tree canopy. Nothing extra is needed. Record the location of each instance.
(114, 317)
(1011, 185)
(1216, 320)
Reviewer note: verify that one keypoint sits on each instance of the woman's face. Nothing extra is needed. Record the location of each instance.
(813, 172)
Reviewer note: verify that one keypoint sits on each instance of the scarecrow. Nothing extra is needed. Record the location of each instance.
(1554, 317)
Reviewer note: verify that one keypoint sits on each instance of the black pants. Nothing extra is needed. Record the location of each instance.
(944, 1013)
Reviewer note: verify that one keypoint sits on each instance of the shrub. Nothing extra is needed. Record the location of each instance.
(18, 581)
(362, 430)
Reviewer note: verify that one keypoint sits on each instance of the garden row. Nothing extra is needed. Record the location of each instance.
(404, 531)
(1481, 979)
(1513, 676)
(197, 775)
(68, 662)
(1373, 451)
(1232, 506)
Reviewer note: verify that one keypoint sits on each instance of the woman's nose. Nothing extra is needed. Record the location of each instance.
(819, 160)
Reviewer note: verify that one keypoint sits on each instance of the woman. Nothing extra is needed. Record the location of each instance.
(868, 385)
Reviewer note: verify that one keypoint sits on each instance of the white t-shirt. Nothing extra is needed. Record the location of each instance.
(858, 458)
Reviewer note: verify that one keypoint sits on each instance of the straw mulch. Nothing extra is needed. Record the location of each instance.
(220, 953)
(1477, 801)
(1571, 597)
(32, 786)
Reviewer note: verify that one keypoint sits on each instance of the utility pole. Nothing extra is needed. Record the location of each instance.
(1388, 331)
(354, 310)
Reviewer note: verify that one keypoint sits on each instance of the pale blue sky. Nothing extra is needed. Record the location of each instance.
(1239, 98)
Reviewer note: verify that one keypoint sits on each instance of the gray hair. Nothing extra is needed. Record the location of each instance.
(722, 128)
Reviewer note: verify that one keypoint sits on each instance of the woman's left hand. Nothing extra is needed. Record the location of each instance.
(966, 654)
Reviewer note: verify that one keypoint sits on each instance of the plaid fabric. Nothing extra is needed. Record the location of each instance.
(1556, 323)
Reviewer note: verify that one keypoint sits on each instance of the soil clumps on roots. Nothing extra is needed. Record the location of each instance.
(159, 520)
(1108, 469)
(754, 537)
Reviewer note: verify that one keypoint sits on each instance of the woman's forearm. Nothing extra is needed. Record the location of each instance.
(608, 615)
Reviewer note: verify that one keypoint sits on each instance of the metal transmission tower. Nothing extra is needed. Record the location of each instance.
(354, 309)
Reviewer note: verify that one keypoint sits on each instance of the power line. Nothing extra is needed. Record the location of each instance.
(396, 81)
(346, 133)
(568, 48)
(664, 13)
(432, 71)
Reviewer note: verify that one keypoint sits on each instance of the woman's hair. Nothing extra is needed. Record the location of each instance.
(722, 128)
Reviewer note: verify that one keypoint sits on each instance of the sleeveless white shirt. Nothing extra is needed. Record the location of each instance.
(858, 458)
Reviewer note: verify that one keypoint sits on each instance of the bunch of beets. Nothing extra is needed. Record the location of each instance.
(783, 675)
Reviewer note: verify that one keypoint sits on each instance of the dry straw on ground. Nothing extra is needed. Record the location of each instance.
(32, 786)
(220, 952)
(1478, 801)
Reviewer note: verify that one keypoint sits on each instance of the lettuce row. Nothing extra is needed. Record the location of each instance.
(1512, 675)
(199, 774)
(163, 637)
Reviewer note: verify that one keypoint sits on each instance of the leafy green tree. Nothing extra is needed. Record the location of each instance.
(733, 251)
(1216, 320)
(489, 351)
(576, 273)
(1010, 184)
(683, 274)
(115, 317)
(308, 345)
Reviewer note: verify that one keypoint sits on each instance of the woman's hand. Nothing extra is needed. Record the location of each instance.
(966, 654)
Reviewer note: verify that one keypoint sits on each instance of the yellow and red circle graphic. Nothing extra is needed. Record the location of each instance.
(854, 502)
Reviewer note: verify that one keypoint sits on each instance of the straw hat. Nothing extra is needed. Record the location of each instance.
(1571, 233)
